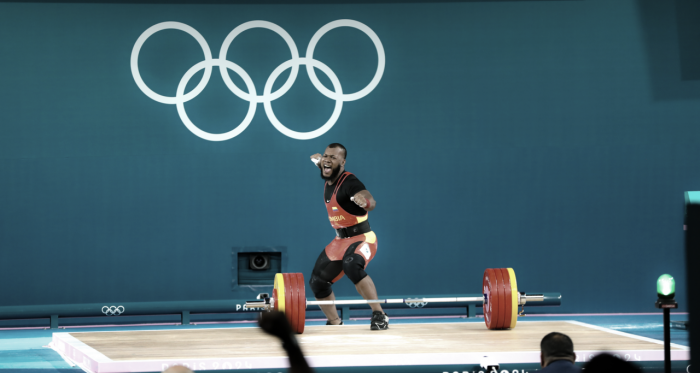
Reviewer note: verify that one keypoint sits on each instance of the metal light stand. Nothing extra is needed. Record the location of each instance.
(666, 305)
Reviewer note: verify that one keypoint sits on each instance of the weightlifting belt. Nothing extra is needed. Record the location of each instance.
(354, 230)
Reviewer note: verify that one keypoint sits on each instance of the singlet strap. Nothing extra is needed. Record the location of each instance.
(340, 181)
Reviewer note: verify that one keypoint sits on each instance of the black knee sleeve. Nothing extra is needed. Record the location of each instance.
(325, 271)
(354, 267)
(320, 287)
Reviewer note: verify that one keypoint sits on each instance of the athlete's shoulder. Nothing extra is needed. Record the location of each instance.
(351, 179)
(352, 185)
(350, 176)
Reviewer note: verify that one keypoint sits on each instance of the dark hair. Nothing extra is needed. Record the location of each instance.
(336, 145)
(608, 363)
(557, 345)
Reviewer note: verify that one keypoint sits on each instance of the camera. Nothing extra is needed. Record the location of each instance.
(259, 262)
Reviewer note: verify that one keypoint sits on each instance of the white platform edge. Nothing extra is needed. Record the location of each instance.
(82, 355)
(627, 334)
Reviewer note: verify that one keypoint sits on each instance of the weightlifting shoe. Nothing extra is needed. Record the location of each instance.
(329, 323)
(380, 321)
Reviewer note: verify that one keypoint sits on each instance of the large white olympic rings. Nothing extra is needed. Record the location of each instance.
(251, 96)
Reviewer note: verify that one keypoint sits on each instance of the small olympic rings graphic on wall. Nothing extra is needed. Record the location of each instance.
(416, 304)
(113, 310)
(251, 96)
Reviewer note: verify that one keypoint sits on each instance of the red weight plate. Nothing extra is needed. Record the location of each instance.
(301, 303)
(501, 318)
(274, 296)
(292, 300)
(295, 290)
(507, 296)
(496, 300)
(289, 299)
(298, 285)
(491, 287)
(486, 283)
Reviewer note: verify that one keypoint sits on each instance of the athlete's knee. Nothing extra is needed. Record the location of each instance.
(320, 287)
(354, 267)
(324, 273)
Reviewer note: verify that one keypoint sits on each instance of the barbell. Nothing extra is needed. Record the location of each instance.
(500, 299)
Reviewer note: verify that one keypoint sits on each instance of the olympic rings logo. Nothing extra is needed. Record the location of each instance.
(416, 304)
(112, 310)
(251, 96)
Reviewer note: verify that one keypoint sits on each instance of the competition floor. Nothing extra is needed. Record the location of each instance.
(28, 349)
(430, 346)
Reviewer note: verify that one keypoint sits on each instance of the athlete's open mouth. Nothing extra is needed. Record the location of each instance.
(327, 168)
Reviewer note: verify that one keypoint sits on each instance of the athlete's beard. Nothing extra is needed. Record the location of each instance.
(334, 173)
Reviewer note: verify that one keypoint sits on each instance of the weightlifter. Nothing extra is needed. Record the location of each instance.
(348, 203)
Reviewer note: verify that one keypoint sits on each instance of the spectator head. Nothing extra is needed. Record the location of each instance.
(178, 369)
(556, 346)
(607, 363)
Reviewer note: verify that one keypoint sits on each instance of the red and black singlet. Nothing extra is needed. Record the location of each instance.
(338, 196)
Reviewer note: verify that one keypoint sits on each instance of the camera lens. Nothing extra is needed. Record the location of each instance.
(259, 262)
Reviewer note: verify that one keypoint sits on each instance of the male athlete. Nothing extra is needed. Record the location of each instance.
(354, 246)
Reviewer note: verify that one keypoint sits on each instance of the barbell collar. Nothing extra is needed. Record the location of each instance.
(266, 303)
(524, 298)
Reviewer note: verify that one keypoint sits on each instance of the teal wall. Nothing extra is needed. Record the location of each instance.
(554, 137)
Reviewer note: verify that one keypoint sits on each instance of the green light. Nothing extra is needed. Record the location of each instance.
(666, 287)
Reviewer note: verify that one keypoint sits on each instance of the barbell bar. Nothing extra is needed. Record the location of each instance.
(523, 298)
(500, 300)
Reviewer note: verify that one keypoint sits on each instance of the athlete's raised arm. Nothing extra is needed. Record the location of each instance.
(316, 158)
